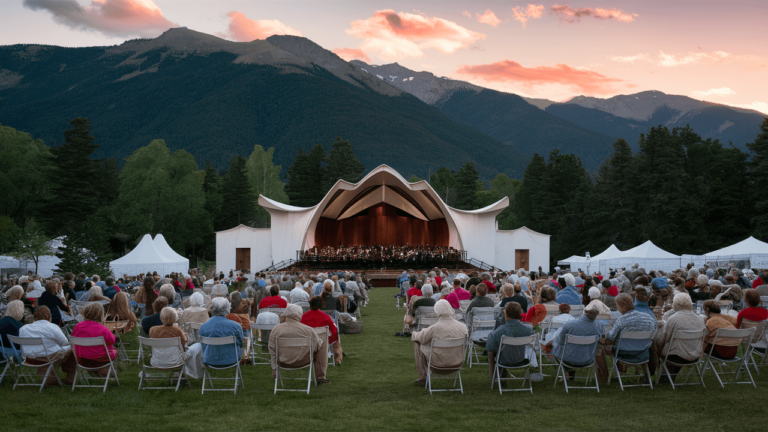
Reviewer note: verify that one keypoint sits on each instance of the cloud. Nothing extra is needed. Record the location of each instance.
(762, 107)
(488, 18)
(530, 12)
(671, 60)
(349, 54)
(722, 92)
(631, 59)
(119, 18)
(393, 36)
(571, 15)
(583, 80)
(699, 57)
(243, 29)
(467, 14)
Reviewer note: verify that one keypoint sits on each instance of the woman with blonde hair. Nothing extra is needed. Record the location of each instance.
(96, 295)
(11, 323)
(120, 309)
(92, 326)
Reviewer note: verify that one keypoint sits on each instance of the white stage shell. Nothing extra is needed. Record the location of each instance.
(293, 228)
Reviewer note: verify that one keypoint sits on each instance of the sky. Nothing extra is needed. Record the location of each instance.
(709, 50)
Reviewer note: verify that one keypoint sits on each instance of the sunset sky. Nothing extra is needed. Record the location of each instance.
(710, 50)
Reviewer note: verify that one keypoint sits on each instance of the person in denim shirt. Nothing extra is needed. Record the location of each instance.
(631, 320)
(577, 355)
(569, 295)
(511, 355)
(220, 326)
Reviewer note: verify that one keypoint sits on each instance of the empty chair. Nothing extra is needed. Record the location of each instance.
(166, 348)
(758, 343)
(259, 348)
(621, 356)
(293, 344)
(442, 348)
(508, 343)
(220, 342)
(583, 343)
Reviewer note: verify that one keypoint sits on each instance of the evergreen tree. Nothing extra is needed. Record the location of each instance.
(305, 187)
(759, 179)
(88, 253)
(528, 212)
(501, 186)
(264, 178)
(8, 234)
(212, 190)
(413, 179)
(342, 164)
(239, 200)
(443, 181)
(467, 186)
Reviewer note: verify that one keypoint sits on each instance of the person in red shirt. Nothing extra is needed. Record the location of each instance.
(274, 300)
(316, 318)
(487, 282)
(415, 291)
(438, 278)
(759, 281)
(752, 312)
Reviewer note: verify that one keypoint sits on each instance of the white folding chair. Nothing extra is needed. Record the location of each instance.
(29, 376)
(161, 344)
(576, 311)
(262, 357)
(222, 341)
(463, 305)
(510, 342)
(617, 358)
(425, 322)
(481, 321)
(579, 341)
(547, 328)
(293, 343)
(9, 357)
(758, 343)
(325, 335)
(694, 338)
(445, 345)
(745, 336)
(84, 371)
(194, 331)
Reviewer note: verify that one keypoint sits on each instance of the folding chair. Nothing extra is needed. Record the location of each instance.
(695, 338)
(194, 331)
(425, 322)
(576, 311)
(9, 357)
(757, 343)
(161, 344)
(325, 335)
(335, 317)
(463, 305)
(627, 335)
(446, 345)
(482, 321)
(745, 336)
(83, 371)
(579, 341)
(29, 377)
(547, 328)
(507, 341)
(262, 357)
(293, 343)
(220, 341)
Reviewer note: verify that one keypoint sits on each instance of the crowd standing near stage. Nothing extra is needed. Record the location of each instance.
(371, 256)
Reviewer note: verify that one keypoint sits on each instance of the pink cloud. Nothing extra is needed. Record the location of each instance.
(488, 18)
(530, 12)
(349, 54)
(110, 17)
(393, 36)
(587, 81)
(467, 14)
(243, 29)
(569, 14)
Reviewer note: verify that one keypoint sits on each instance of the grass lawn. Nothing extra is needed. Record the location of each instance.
(374, 390)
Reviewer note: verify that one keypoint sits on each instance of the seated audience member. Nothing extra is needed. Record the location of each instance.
(274, 300)
(631, 320)
(601, 309)
(219, 290)
(753, 311)
(486, 280)
(109, 288)
(91, 326)
(174, 298)
(120, 310)
(51, 300)
(426, 300)
(239, 312)
(11, 323)
(481, 300)
(299, 295)
(569, 294)
(538, 312)
(154, 320)
(576, 355)
(220, 326)
(95, 295)
(461, 293)
(195, 313)
(146, 295)
(446, 327)
(701, 290)
(608, 296)
(167, 357)
(298, 356)
(511, 355)
(519, 298)
(55, 345)
(328, 301)
(415, 291)
(316, 318)
(681, 351)
(641, 302)
(726, 348)
(507, 291)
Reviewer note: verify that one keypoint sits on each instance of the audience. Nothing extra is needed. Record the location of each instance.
(55, 346)
(120, 310)
(511, 355)
(195, 313)
(726, 348)
(316, 318)
(753, 311)
(274, 300)
(298, 356)
(680, 351)
(154, 319)
(446, 327)
(481, 300)
(91, 326)
(167, 357)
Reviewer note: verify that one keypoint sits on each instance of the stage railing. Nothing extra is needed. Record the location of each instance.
(281, 265)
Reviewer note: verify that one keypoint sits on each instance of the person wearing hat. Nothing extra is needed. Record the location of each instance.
(609, 294)
(569, 294)
(298, 356)
(446, 327)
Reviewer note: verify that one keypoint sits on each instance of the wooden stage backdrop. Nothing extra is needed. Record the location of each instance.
(383, 225)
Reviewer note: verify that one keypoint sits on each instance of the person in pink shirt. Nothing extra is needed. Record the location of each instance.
(92, 326)
(457, 295)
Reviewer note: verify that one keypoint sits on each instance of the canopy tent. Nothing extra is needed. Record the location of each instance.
(576, 261)
(162, 246)
(750, 249)
(147, 258)
(647, 256)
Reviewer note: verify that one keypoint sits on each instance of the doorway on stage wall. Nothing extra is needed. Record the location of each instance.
(521, 259)
(243, 259)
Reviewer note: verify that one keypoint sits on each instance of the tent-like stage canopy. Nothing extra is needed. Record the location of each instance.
(148, 256)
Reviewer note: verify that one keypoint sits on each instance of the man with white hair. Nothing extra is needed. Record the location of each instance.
(220, 326)
(524, 279)
(569, 295)
(446, 327)
(681, 351)
(297, 356)
(299, 295)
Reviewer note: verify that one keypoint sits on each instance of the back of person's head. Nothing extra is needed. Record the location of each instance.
(752, 298)
(93, 312)
(15, 310)
(472, 290)
(168, 316)
(15, 292)
(513, 310)
(160, 303)
(606, 283)
(109, 281)
(482, 290)
(95, 292)
(419, 284)
(641, 295)
(564, 308)
(456, 282)
(149, 283)
(711, 306)
(220, 306)
(274, 290)
(315, 303)
(43, 314)
(235, 297)
(591, 313)
(96, 278)
(51, 287)
(427, 290)
(508, 289)
(682, 301)
(624, 300)
(593, 293)
(168, 292)
(196, 300)
(547, 294)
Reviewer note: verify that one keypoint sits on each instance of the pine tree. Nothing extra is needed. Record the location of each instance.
(467, 186)
(526, 208)
(759, 178)
(305, 187)
(239, 200)
(443, 181)
(342, 164)
(212, 190)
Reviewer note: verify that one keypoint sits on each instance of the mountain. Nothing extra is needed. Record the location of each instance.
(627, 116)
(504, 116)
(216, 98)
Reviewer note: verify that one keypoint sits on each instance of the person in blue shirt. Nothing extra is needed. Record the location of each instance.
(577, 355)
(510, 355)
(220, 326)
(98, 282)
(262, 282)
(569, 295)
(641, 301)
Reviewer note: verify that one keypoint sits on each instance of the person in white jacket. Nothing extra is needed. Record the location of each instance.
(55, 346)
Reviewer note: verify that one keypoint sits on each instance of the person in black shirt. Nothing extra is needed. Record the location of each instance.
(154, 319)
(50, 299)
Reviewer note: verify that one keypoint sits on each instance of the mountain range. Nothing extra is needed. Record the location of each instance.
(216, 98)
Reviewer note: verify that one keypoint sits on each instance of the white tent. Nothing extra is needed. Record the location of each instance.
(647, 256)
(173, 258)
(750, 249)
(146, 258)
(594, 263)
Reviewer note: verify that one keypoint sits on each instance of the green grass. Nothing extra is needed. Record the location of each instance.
(374, 390)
